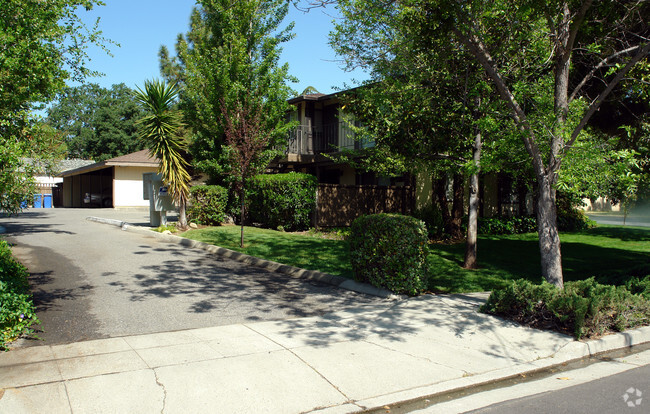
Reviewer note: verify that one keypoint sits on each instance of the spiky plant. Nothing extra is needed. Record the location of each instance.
(159, 129)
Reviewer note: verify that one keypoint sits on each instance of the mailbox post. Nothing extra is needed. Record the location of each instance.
(160, 201)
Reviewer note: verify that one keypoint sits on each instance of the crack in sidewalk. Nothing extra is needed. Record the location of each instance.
(162, 411)
(347, 398)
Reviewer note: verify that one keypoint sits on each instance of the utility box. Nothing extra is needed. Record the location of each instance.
(160, 201)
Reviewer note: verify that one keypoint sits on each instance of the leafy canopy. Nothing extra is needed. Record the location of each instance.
(97, 123)
(230, 60)
(42, 45)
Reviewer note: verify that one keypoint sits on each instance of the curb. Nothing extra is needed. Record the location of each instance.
(571, 352)
(315, 275)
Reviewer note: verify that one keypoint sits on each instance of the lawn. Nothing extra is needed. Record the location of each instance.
(300, 250)
(610, 253)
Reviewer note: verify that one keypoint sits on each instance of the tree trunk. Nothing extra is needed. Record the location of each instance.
(441, 196)
(182, 216)
(549, 239)
(241, 240)
(457, 207)
(472, 224)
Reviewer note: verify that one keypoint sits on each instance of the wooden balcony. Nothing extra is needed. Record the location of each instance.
(312, 140)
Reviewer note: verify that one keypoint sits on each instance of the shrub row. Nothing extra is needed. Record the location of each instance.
(507, 225)
(282, 201)
(17, 311)
(583, 308)
(207, 204)
(569, 220)
(389, 251)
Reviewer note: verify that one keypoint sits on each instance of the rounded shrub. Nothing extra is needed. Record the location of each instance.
(389, 251)
(282, 200)
(208, 204)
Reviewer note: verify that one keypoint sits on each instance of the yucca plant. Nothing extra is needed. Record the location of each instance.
(160, 129)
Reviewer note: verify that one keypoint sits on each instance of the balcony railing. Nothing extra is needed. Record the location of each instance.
(334, 137)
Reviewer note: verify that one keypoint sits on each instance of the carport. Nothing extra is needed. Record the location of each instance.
(116, 182)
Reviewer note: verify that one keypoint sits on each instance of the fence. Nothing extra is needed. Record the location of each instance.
(339, 205)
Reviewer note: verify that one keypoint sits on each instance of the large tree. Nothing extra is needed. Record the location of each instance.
(97, 123)
(549, 40)
(552, 63)
(227, 61)
(42, 45)
(423, 101)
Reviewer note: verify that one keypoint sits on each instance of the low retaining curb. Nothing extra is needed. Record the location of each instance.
(315, 275)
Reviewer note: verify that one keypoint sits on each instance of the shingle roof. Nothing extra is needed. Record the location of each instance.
(73, 164)
(135, 159)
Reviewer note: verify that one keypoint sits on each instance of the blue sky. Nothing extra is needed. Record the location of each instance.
(142, 26)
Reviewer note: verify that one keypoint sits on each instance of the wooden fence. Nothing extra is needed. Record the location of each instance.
(339, 205)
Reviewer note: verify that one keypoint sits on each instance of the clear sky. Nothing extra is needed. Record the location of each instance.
(142, 26)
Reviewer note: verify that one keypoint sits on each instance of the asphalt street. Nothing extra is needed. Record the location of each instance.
(625, 392)
(92, 280)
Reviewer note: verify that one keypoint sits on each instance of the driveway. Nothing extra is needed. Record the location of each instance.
(92, 280)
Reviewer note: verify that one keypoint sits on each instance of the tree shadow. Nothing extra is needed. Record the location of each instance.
(504, 259)
(621, 233)
(210, 283)
(19, 229)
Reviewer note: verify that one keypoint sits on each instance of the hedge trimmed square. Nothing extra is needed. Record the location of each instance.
(208, 204)
(282, 200)
(389, 251)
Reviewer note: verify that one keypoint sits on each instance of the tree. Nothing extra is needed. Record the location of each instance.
(22, 157)
(246, 141)
(97, 123)
(230, 59)
(422, 101)
(161, 131)
(42, 45)
(543, 39)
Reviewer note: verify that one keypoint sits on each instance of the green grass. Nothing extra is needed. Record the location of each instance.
(305, 251)
(610, 253)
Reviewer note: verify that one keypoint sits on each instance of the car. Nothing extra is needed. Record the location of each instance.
(98, 200)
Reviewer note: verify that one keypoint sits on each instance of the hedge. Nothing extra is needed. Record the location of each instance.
(207, 204)
(17, 310)
(583, 308)
(282, 201)
(389, 251)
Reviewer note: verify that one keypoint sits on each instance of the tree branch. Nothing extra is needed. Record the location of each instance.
(599, 100)
(478, 49)
(595, 69)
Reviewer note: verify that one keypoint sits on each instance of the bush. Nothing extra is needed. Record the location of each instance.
(639, 286)
(583, 308)
(282, 200)
(389, 251)
(570, 218)
(207, 204)
(17, 311)
(507, 225)
(432, 218)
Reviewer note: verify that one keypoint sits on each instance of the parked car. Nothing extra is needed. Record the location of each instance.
(98, 200)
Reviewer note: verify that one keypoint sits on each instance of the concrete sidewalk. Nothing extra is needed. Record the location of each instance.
(342, 362)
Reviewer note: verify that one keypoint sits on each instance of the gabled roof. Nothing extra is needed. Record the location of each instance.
(311, 97)
(73, 164)
(135, 159)
(140, 157)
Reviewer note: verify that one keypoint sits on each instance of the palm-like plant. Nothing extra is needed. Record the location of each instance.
(160, 130)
